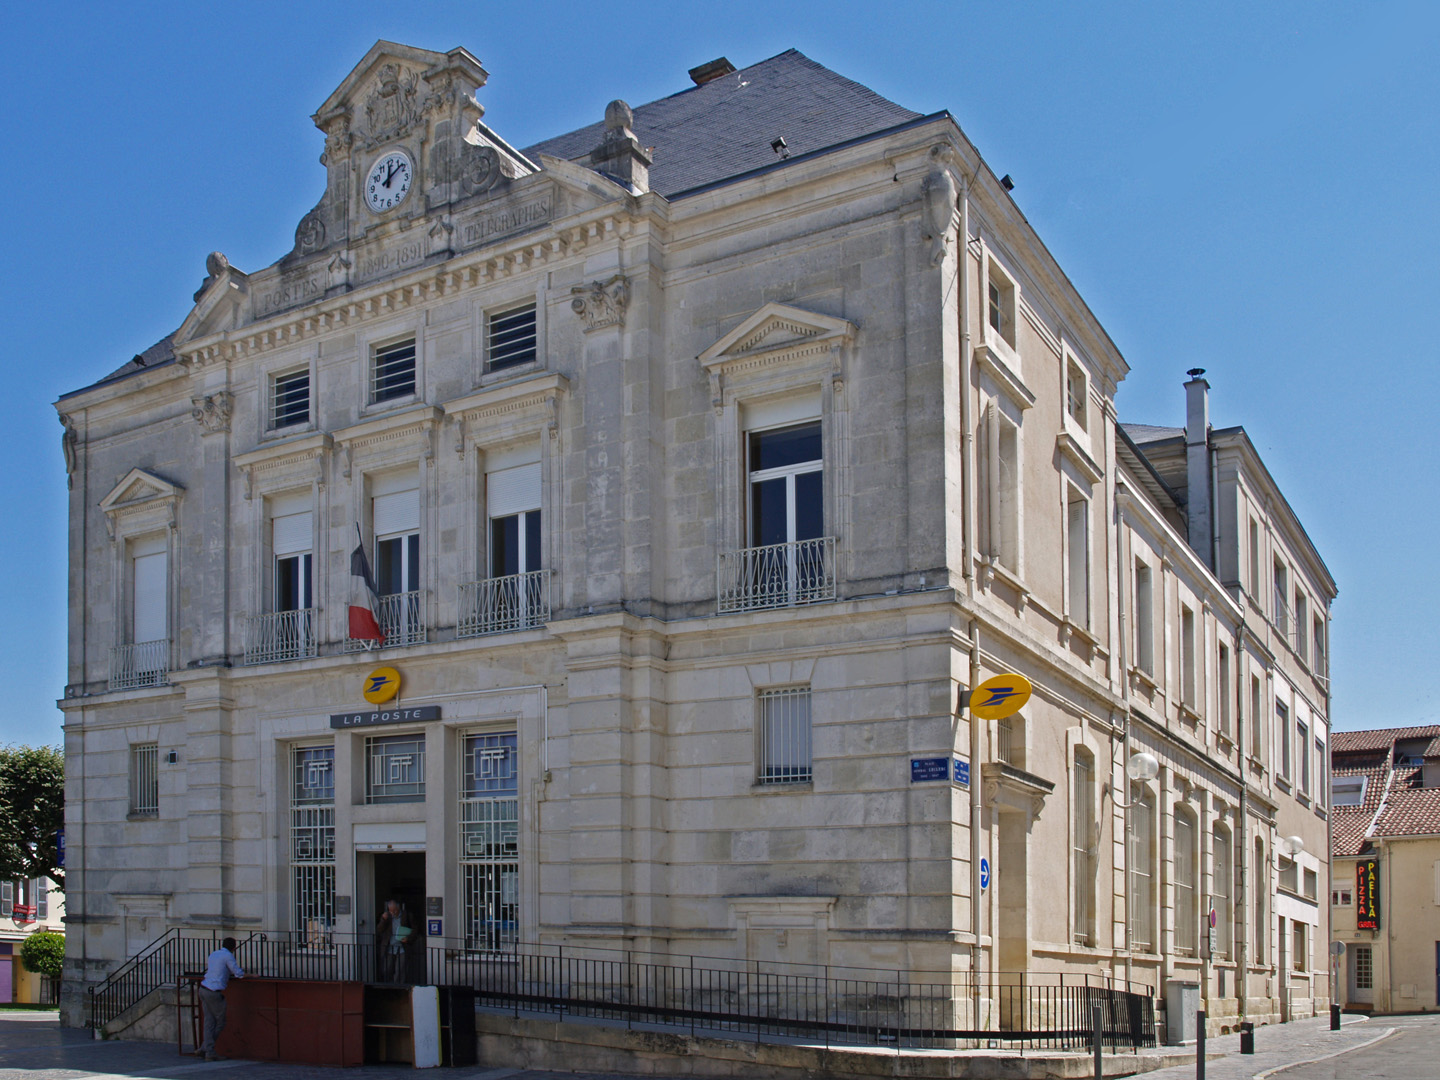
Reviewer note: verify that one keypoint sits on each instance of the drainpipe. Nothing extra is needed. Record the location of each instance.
(1122, 577)
(1242, 832)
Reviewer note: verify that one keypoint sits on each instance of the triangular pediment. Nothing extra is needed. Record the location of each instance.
(779, 330)
(218, 304)
(387, 68)
(137, 488)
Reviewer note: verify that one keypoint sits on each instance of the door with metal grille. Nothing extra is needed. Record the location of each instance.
(490, 840)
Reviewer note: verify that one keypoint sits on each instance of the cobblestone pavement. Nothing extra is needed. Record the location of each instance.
(34, 1047)
(1280, 1045)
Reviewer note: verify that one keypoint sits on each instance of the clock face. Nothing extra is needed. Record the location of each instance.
(389, 181)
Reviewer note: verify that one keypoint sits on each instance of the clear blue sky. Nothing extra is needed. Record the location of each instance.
(1248, 188)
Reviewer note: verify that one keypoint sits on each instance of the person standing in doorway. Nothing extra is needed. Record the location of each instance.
(394, 933)
(220, 968)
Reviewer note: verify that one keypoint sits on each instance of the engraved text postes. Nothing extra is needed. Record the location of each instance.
(289, 291)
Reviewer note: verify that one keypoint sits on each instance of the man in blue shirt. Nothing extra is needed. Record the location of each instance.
(219, 969)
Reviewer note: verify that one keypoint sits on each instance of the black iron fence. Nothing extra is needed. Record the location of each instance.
(703, 995)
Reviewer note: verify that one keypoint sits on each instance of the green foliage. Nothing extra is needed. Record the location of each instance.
(44, 954)
(32, 811)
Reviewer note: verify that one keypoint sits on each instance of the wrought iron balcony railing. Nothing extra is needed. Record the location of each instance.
(402, 621)
(495, 605)
(775, 576)
(280, 635)
(144, 663)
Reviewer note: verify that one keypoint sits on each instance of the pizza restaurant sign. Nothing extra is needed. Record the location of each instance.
(1367, 894)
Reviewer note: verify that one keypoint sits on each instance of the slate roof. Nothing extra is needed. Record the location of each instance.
(724, 128)
(1147, 433)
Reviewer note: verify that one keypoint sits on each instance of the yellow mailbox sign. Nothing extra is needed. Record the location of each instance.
(381, 685)
(997, 698)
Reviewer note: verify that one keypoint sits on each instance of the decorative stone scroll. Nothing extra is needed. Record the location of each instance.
(213, 412)
(69, 446)
(601, 303)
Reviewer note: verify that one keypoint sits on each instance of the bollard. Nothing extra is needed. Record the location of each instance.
(1095, 1031)
(1247, 1038)
(1200, 1045)
(1334, 1017)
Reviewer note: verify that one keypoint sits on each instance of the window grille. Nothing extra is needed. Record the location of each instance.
(1364, 967)
(1005, 741)
(393, 371)
(1142, 873)
(145, 779)
(312, 840)
(1221, 889)
(490, 840)
(785, 736)
(510, 337)
(290, 399)
(1084, 849)
(1186, 928)
(395, 768)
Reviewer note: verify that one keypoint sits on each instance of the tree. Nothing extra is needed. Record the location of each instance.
(32, 812)
(44, 954)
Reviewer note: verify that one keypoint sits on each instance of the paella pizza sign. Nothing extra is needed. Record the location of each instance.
(1367, 894)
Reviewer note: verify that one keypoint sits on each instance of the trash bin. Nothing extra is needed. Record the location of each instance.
(1182, 999)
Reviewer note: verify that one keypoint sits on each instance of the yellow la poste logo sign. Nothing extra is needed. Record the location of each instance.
(999, 697)
(381, 685)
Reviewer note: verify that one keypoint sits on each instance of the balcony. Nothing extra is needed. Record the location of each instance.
(143, 664)
(402, 621)
(281, 635)
(776, 576)
(496, 605)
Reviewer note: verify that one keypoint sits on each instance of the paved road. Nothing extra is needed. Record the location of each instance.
(1412, 1053)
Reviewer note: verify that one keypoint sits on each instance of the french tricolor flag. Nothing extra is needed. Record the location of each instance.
(364, 597)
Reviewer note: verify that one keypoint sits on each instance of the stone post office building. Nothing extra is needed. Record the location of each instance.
(701, 458)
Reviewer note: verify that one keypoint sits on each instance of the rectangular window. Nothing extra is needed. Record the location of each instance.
(1302, 749)
(1000, 305)
(1186, 909)
(1280, 600)
(1144, 620)
(7, 898)
(1257, 725)
(1289, 875)
(395, 768)
(1142, 873)
(149, 583)
(1224, 692)
(1317, 639)
(1364, 967)
(290, 398)
(510, 337)
(1342, 898)
(1282, 732)
(1078, 514)
(1005, 519)
(1312, 884)
(1085, 844)
(396, 519)
(512, 498)
(145, 779)
(1300, 951)
(1075, 393)
(1187, 657)
(292, 538)
(1322, 771)
(784, 736)
(788, 560)
(1262, 879)
(392, 371)
(1347, 791)
(1221, 890)
(41, 890)
(1254, 559)
(312, 841)
(490, 840)
(1302, 627)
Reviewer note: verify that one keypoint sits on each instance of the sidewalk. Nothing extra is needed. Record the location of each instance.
(1278, 1046)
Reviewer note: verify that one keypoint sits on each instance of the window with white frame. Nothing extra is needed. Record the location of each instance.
(395, 768)
(1085, 843)
(312, 840)
(1342, 898)
(1302, 748)
(510, 337)
(1302, 626)
(1282, 733)
(395, 517)
(1299, 946)
(290, 398)
(1076, 393)
(1077, 516)
(1224, 692)
(292, 535)
(1000, 508)
(1000, 304)
(1317, 641)
(783, 736)
(7, 898)
(1257, 718)
(1142, 871)
(1348, 791)
(490, 840)
(512, 498)
(1310, 883)
(1255, 560)
(1289, 874)
(1261, 890)
(1186, 858)
(149, 589)
(1221, 889)
(788, 559)
(145, 779)
(1281, 601)
(1188, 660)
(1144, 619)
(392, 371)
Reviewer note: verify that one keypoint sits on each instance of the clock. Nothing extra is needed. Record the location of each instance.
(388, 181)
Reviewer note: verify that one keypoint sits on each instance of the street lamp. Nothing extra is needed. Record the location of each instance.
(1290, 845)
(1142, 766)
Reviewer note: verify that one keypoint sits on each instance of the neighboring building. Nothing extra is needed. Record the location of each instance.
(26, 907)
(1385, 894)
(701, 458)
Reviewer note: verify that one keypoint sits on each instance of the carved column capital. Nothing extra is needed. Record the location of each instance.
(601, 303)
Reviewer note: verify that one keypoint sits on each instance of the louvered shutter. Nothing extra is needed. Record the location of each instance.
(513, 491)
(398, 512)
(149, 589)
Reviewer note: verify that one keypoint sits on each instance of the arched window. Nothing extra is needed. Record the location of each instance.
(1187, 919)
(1222, 877)
(1142, 871)
(1086, 838)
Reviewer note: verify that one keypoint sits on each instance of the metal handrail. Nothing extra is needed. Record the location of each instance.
(776, 575)
(142, 663)
(281, 635)
(500, 604)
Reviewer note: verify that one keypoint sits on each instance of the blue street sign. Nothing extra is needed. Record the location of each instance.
(60, 849)
(433, 928)
(962, 772)
(929, 768)
(984, 873)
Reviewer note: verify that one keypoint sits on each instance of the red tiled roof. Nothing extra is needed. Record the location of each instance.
(1351, 823)
(1410, 812)
(1347, 742)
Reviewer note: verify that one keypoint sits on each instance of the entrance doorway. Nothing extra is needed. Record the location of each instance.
(381, 876)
